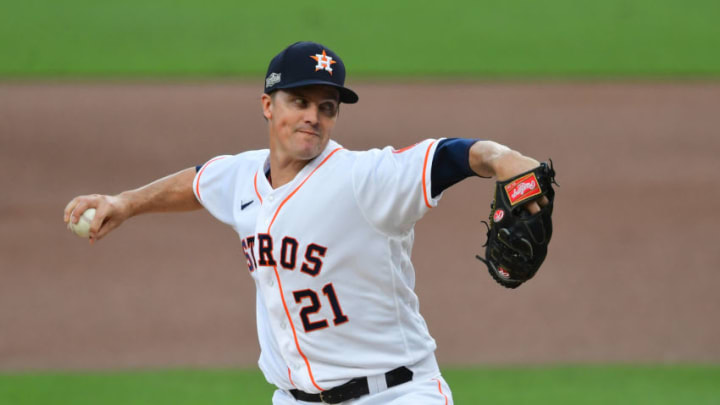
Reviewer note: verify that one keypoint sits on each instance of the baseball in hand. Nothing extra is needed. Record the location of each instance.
(82, 228)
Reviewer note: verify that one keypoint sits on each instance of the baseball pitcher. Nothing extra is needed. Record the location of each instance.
(327, 234)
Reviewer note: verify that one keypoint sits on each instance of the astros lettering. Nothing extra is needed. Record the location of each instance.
(313, 255)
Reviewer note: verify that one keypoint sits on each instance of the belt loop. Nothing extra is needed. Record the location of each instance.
(377, 383)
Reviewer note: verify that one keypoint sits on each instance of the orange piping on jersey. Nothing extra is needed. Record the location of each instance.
(298, 187)
(440, 389)
(427, 154)
(290, 377)
(256, 191)
(404, 149)
(277, 275)
(292, 326)
(197, 186)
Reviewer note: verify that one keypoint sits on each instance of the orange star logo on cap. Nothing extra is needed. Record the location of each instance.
(324, 62)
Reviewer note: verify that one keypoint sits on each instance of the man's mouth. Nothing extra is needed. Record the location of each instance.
(308, 131)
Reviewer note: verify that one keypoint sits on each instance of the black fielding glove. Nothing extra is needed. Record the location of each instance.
(517, 240)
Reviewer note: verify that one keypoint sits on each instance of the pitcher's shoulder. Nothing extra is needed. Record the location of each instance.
(258, 155)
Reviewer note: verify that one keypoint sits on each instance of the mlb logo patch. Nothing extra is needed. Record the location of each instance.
(523, 188)
(324, 62)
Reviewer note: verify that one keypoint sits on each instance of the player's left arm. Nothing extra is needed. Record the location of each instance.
(457, 158)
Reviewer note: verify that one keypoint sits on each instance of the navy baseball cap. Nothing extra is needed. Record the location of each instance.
(308, 63)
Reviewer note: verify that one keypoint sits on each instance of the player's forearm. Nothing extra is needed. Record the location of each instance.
(169, 194)
(491, 159)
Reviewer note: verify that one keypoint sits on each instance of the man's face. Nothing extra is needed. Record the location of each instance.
(301, 120)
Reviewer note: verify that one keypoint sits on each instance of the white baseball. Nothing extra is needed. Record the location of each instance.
(82, 228)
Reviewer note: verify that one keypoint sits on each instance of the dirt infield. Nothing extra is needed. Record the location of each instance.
(632, 276)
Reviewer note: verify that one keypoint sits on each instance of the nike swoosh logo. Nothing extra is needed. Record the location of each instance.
(244, 205)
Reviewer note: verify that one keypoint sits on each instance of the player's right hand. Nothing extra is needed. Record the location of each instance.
(111, 211)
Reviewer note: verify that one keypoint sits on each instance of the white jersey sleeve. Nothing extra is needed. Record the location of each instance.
(393, 187)
(214, 186)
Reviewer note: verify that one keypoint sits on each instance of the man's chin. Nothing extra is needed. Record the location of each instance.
(311, 150)
(310, 155)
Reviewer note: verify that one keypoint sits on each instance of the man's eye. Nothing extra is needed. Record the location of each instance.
(300, 102)
(328, 108)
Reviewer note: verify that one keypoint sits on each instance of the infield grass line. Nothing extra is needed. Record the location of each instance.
(468, 38)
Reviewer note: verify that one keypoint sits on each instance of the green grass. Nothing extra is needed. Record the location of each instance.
(604, 385)
(657, 385)
(175, 387)
(521, 38)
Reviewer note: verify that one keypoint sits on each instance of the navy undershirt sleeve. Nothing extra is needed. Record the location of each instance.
(450, 164)
(197, 168)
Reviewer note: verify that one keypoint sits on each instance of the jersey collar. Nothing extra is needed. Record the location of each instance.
(263, 185)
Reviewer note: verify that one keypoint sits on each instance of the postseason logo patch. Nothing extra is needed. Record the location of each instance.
(273, 79)
(523, 188)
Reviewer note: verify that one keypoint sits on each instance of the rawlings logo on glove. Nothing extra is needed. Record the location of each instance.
(522, 189)
(517, 240)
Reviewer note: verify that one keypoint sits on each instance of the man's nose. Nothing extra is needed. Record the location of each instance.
(311, 114)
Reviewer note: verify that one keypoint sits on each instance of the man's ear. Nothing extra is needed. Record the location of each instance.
(267, 104)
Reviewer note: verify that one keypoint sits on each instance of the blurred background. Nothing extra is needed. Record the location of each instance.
(101, 97)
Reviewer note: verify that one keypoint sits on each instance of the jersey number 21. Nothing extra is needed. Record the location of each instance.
(314, 306)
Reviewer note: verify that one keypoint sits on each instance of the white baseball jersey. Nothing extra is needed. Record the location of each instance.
(330, 256)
